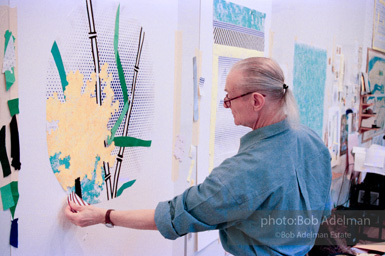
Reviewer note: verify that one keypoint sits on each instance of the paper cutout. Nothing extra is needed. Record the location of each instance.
(9, 78)
(117, 58)
(197, 100)
(195, 85)
(7, 197)
(15, 195)
(13, 106)
(131, 142)
(74, 198)
(193, 151)
(3, 154)
(110, 139)
(190, 170)
(52, 126)
(201, 86)
(15, 145)
(78, 189)
(14, 236)
(7, 36)
(125, 186)
(75, 117)
(9, 61)
(59, 64)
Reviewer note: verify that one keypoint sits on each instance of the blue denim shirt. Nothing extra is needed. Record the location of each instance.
(268, 199)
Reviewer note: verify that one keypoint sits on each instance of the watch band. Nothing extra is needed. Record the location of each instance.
(108, 221)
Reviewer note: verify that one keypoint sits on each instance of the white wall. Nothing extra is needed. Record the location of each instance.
(42, 231)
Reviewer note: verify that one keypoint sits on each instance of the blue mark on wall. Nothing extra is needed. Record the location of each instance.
(239, 15)
(309, 78)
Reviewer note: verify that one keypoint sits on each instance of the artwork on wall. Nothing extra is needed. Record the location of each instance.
(376, 84)
(378, 26)
(344, 135)
(239, 32)
(10, 162)
(309, 76)
(333, 128)
(99, 103)
(238, 26)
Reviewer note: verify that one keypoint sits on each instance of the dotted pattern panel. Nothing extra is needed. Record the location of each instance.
(238, 39)
(227, 134)
(75, 49)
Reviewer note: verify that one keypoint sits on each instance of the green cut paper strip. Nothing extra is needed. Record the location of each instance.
(118, 122)
(15, 196)
(131, 142)
(125, 186)
(7, 36)
(6, 197)
(117, 58)
(9, 78)
(13, 106)
(60, 66)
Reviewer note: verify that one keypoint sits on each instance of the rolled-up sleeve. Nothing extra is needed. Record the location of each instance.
(204, 207)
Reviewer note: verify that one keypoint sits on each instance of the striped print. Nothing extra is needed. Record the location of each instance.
(236, 28)
(238, 39)
(74, 198)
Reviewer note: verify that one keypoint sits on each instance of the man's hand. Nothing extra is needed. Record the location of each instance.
(85, 215)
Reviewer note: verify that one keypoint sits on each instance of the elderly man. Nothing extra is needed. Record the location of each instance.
(269, 198)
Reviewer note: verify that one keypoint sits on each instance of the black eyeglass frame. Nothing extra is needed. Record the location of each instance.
(227, 102)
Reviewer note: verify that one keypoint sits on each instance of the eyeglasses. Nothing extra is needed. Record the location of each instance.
(227, 100)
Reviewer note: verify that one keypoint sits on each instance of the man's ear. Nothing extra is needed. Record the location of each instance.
(258, 101)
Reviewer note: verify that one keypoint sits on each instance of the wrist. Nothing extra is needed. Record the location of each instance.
(102, 216)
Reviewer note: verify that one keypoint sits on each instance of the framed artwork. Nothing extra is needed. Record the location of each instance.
(375, 69)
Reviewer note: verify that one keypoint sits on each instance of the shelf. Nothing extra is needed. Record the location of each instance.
(366, 105)
(365, 129)
(373, 95)
(368, 115)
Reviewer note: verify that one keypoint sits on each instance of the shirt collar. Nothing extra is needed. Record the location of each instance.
(264, 132)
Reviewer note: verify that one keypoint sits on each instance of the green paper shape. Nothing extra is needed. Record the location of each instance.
(125, 186)
(15, 196)
(60, 66)
(117, 124)
(9, 78)
(117, 58)
(13, 106)
(7, 36)
(6, 197)
(131, 142)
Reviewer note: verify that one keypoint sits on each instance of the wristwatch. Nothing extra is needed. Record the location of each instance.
(108, 221)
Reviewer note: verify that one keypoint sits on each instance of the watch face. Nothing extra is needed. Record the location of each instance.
(109, 225)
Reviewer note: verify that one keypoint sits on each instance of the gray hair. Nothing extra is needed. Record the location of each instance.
(265, 76)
